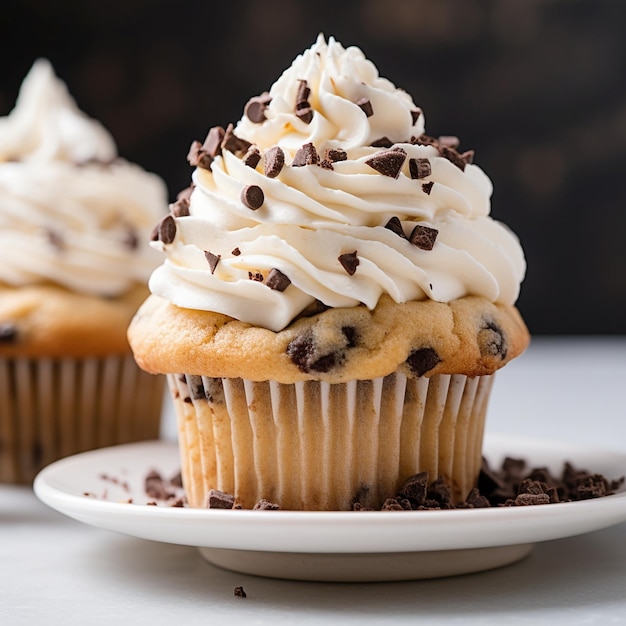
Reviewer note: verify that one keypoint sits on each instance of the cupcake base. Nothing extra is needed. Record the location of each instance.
(320, 446)
(51, 408)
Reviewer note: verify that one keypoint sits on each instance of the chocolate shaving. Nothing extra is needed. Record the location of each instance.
(419, 168)
(252, 196)
(423, 237)
(349, 262)
(252, 157)
(307, 155)
(232, 143)
(255, 108)
(274, 161)
(395, 226)
(388, 163)
(366, 106)
(8, 333)
(166, 230)
(277, 280)
(213, 260)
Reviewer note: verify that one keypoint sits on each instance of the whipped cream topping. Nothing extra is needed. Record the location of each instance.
(71, 212)
(329, 183)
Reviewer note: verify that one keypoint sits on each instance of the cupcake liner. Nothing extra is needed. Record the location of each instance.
(319, 446)
(51, 408)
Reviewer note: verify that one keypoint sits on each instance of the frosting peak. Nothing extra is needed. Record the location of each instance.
(328, 189)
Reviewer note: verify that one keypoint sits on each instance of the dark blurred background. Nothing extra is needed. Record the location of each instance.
(536, 87)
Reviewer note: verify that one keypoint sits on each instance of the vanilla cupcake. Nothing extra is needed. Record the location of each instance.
(74, 260)
(335, 298)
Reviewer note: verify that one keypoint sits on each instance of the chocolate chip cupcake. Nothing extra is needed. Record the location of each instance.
(335, 298)
(74, 261)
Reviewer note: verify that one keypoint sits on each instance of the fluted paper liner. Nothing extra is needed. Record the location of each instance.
(320, 446)
(51, 408)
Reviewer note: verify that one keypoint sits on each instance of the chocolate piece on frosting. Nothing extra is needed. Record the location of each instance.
(395, 226)
(425, 140)
(305, 114)
(336, 154)
(419, 168)
(453, 156)
(252, 196)
(366, 106)
(423, 360)
(232, 143)
(383, 142)
(415, 115)
(307, 155)
(256, 276)
(255, 108)
(236, 252)
(252, 157)
(277, 280)
(213, 260)
(449, 141)
(303, 92)
(185, 194)
(198, 157)
(274, 161)
(8, 333)
(388, 163)
(423, 237)
(180, 208)
(349, 262)
(303, 107)
(213, 143)
(427, 187)
(468, 156)
(167, 230)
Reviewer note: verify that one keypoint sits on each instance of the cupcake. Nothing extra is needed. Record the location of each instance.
(335, 298)
(75, 222)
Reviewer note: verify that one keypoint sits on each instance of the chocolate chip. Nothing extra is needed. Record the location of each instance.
(277, 280)
(383, 142)
(220, 500)
(252, 196)
(213, 260)
(213, 141)
(366, 106)
(336, 154)
(232, 143)
(415, 115)
(274, 161)
(255, 108)
(491, 340)
(256, 276)
(427, 187)
(252, 157)
(449, 141)
(238, 592)
(351, 335)
(305, 114)
(422, 360)
(388, 163)
(8, 333)
(236, 252)
(423, 237)
(395, 226)
(349, 262)
(454, 157)
(303, 353)
(167, 229)
(180, 208)
(419, 168)
(198, 157)
(307, 155)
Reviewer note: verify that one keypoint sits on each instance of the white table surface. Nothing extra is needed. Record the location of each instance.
(54, 570)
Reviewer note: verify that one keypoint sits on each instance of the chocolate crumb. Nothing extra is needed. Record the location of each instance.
(366, 106)
(395, 226)
(239, 592)
(177, 480)
(167, 230)
(252, 157)
(423, 360)
(427, 187)
(265, 505)
(423, 237)
(256, 276)
(307, 155)
(277, 280)
(419, 168)
(274, 161)
(213, 260)
(349, 262)
(8, 333)
(388, 163)
(252, 196)
(154, 486)
(255, 108)
(220, 500)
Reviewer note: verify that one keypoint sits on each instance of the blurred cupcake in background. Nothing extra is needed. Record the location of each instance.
(75, 221)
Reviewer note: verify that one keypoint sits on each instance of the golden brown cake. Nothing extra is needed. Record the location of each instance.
(335, 297)
(74, 260)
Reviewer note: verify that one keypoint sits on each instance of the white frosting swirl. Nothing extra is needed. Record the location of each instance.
(71, 213)
(311, 215)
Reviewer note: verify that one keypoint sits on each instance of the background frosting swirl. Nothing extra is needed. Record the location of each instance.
(71, 212)
(313, 214)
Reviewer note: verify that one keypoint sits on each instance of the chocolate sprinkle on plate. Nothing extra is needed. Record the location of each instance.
(277, 280)
(220, 500)
(274, 161)
(395, 226)
(213, 260)
(366, 106)
(423, 237)
(252, 197)
(419, 168)
(349, 262)
(239, 592)
(388, 163)
(307, 155)
(252, 157)
(167, 229)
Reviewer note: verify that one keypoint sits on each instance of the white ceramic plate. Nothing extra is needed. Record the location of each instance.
(345, 546)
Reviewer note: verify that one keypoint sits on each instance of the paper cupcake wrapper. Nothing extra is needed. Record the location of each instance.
(51, 408)
(320, 446)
